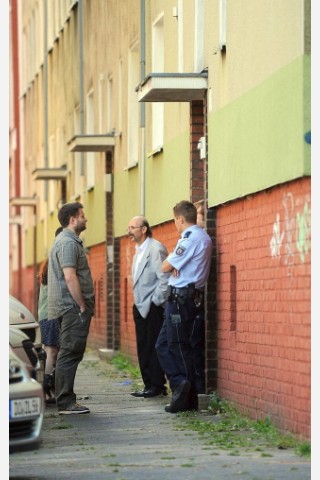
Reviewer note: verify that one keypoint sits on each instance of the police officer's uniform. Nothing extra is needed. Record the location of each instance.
(180, 345)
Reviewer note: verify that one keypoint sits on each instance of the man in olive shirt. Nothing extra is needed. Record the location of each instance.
(71, 299)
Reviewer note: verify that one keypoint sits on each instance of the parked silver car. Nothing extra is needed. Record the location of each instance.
(26, 406)
(21, 318)
(22, 346)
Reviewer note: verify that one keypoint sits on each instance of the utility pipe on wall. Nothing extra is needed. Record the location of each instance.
(81, 94)
(142, 109)
(45, 89)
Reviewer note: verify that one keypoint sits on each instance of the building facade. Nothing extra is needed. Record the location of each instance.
(132, 106)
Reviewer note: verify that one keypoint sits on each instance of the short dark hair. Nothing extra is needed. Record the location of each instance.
(67, 211)
(187, 210)
(59, 230)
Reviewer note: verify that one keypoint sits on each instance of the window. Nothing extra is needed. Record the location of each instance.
(223, 25)
(57, 22)
(157, 67)
(51, 23)
(90, 130)
(198, 36)
(38, 47)
(24, 74)
(120, 97)
(133, 107)
(77, 156)
(110, 121)
(33, 51)
(52, 183)
(180, 36)
(102, 105)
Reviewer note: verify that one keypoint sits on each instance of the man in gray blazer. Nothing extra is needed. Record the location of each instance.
(150, 287)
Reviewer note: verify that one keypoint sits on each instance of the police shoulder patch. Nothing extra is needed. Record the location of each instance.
(187, 234)
(180, 250)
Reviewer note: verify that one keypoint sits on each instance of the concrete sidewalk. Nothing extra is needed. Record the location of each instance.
(128, 438)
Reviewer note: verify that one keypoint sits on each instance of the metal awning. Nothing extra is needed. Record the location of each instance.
(23, 202)
(16, 220)
(92, 143)
(173, 87)
(49, 173)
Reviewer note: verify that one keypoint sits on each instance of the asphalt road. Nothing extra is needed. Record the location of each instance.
(128, 438)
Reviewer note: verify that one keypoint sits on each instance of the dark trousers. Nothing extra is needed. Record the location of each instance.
(73, 339)
(147, 331)
(180, 345)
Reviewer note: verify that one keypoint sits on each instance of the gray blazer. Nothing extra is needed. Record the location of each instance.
(150, 284)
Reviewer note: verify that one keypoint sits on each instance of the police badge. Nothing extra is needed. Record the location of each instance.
(180, 250)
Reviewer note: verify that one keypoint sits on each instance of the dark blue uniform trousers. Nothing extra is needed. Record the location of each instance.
(180, 345)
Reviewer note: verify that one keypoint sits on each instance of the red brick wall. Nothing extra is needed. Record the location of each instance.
(263, 295)
(98, 329)
(97, 261)
(168, 235)
(258, 303)
(198, 166)
(26, 293)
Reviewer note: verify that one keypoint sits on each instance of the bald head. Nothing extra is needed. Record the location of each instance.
(139, 229)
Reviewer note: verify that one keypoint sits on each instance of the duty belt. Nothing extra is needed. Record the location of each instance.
(180, 295)
(189, 290)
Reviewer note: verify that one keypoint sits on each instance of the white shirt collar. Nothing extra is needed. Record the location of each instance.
(141, 248)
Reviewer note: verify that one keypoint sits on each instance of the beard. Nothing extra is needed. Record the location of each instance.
(80, 228)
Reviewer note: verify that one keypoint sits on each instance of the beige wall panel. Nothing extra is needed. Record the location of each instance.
(63, 97)
(211, 31)
(177, 121)
(188, 36)
(110, 29)
(262, 37)
(171, 35)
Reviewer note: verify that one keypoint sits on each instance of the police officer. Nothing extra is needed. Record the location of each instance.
(180, 345)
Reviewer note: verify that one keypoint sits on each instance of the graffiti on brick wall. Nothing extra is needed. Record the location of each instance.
(289, 224)
(295, 229)
(304, 231)
(277, 237)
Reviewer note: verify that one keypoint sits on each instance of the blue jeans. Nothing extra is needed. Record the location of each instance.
(73, 339)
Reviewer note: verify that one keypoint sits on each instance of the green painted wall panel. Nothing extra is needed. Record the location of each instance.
(167, 181)
(258, 140)
(168, 178)
(29, 255)
(126, 198)
(307, 112)
(94, 209)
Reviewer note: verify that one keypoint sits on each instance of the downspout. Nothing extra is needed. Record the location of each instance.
(45, 110)
(45, 90)
(35, 265)
(142, 108)
(16, 166)
(81, 97)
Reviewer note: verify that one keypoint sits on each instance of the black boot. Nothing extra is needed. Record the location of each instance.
(47, 385)
(51, 382)
(180, 398)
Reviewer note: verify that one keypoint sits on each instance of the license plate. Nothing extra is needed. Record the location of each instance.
(26, 407)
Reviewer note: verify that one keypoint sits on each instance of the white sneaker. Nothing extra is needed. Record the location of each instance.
(76, 408)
